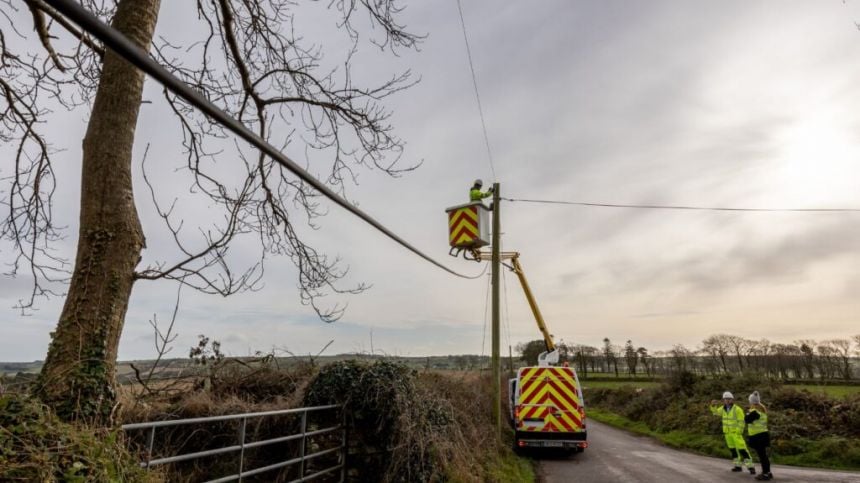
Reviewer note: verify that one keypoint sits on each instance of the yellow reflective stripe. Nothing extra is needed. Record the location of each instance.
(565, 389)
(469, 212)
(466, 237)
(571, 421)
(559, 398)
(536, 397)
(525, 379)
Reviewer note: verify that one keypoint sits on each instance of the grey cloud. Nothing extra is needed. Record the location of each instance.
(753, 260)
(661, 315)
(781, 261)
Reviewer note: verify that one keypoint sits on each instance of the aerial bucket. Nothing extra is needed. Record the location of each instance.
(468, 226)
(546, 359)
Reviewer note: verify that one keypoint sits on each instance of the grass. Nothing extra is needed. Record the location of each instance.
(832, 391)
(835, 391)
(35, 445)
(586, 384)
(508, 468)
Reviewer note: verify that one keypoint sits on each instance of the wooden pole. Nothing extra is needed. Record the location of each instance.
(497, 368)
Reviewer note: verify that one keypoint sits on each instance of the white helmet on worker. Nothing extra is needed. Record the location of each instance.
(479, 183)
(728, 395)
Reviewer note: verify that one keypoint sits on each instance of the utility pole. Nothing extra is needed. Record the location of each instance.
(495, 265)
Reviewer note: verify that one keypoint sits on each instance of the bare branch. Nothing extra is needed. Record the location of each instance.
(251, 62)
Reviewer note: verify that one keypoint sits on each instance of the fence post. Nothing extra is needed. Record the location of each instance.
(151, 442)
(242, 449)
(304, 431)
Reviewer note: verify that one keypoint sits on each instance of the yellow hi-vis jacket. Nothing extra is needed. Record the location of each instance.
(733, 418)
(475, 194)
(758, 425)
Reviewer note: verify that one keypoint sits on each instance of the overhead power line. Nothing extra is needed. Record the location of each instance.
(117, 42)
(477, 94)
(682, 207)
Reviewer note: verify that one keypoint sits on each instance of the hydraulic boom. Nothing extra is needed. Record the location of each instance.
(551, 355)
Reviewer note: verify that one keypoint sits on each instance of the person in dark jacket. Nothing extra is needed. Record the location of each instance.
(759, 437)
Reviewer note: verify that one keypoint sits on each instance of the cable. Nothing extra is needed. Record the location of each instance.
(477, 95)
(138, 57)
(486, 319)
(675, 207)
(507, 311)
(505, 288)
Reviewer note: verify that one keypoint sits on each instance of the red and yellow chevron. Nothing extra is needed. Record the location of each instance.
(549, 393)
(463, 226)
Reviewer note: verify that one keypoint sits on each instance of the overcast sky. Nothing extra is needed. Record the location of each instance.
(729, 103)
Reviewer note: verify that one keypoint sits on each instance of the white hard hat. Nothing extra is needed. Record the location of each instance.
(479, 182)
(728, 395)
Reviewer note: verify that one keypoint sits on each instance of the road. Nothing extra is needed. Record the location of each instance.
(617, 456)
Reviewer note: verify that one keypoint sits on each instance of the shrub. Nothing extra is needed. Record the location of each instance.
(411, 427)
(390, 426)
(36, 446)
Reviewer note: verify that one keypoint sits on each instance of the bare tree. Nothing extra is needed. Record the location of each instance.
(717, 347)
(781, 358)
(252, 63)
(842, 351)
(645, 359)
(586, 357)
(807, 351)
(610, 356)
(827, 360)
(681, 358)
(738, 346)
(631, 357)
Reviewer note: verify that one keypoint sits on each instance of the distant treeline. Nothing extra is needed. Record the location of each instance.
(718, 354)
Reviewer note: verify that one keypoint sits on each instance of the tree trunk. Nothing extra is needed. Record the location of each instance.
(78, 377)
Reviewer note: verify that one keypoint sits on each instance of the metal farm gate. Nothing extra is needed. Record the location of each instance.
(307, 432)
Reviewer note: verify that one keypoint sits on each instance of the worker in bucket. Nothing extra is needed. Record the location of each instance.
(475, 194)
(756, 420)
(733, 430)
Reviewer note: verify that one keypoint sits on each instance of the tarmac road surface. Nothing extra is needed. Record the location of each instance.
(617, 456)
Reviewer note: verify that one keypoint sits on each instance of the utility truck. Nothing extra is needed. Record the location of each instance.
(546, 405)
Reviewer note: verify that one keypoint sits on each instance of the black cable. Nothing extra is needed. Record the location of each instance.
(138, 57)
(676, 207)
(477, 95)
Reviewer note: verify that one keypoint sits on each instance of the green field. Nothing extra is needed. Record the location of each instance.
(832, 391)
(586, 384)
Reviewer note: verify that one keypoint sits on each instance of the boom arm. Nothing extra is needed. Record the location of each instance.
(514, 257)
(518, 269)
